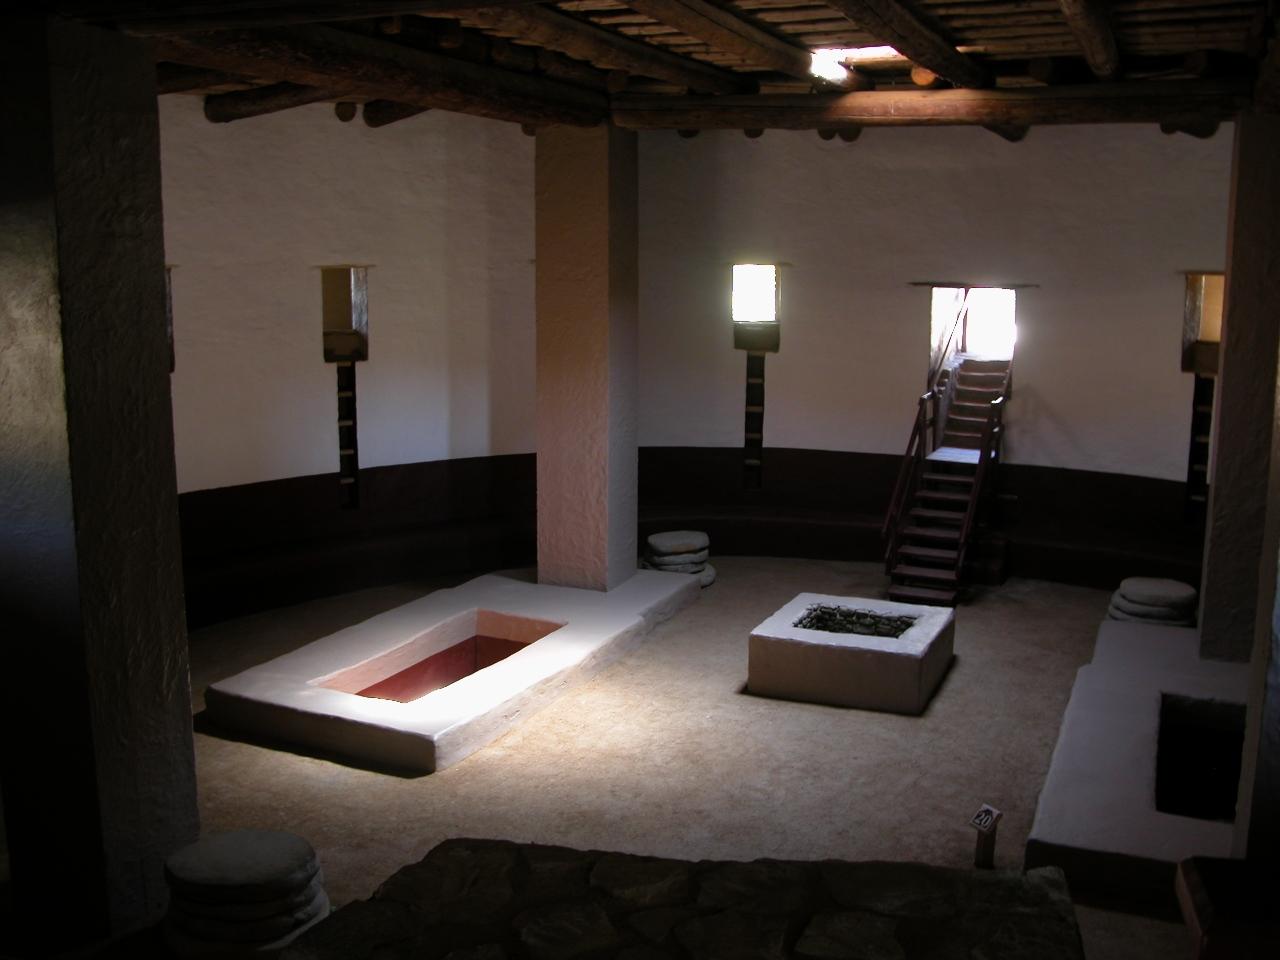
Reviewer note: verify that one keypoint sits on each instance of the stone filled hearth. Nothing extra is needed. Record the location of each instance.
(852, 652)
(494, 899)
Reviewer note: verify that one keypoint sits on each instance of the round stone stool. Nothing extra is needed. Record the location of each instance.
(247, 893)
(680, 551)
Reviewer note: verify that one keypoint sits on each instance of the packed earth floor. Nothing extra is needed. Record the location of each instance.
(665, 754)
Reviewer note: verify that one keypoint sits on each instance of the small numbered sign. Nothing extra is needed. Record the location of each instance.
(986, 818)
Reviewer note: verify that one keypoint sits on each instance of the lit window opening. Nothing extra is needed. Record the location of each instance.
(829, 63)
(755, 293)
(980, 321)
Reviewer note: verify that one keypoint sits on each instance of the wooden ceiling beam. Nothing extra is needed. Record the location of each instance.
(1266, 96)
(892, 23)
(242, 104)
(1183, 102)
(446, 35)
(1010, 132)
(728, 33)
(1091, 26)
(608, 50)
(379, 113)
(1201, 131)
(375, 69)
(177, 78)
(151, 18)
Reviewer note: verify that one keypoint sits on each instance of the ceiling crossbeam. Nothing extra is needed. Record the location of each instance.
(176, 78)
(891, 22)
(370, 68)
(731, 34)
(1091, 26)
(608, 50)
(149, 18)
(1185, 102)
(242, 104)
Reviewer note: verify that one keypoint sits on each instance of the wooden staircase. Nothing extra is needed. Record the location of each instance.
(954, 448)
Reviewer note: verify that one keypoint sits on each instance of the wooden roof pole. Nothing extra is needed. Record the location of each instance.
(731, 34)
(892, 23)
(612, 51)
(1184, 102)
(147, 18)
(240, 104)
(370, 68)
(1091, 26)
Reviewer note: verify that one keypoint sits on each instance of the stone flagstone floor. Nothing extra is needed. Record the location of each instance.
(497, 900)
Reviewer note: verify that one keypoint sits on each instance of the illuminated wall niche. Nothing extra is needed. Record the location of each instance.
(754, 309)
(345, 313)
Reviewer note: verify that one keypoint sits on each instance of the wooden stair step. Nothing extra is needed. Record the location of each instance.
(927, 513)
(975, 407)
(973, 363)
(936, 554)
(985, 376)
(969, 423)
(965, 478)
(982, 395)
(931, 533)
(925, 595)
(912, 572)
(947, 496)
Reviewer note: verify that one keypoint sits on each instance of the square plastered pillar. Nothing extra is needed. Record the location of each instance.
(98, 771)
(1238, 561)
(586, 364)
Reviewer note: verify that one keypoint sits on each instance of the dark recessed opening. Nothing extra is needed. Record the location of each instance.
(1198, 757)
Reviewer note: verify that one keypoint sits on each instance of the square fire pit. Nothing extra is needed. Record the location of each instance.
(897, 674)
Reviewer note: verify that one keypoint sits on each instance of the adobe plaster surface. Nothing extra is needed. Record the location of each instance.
(1237, 557)
(98, 767)
(295, 696)
(1094, 218)
(898, 674)
(585, 196)
(446, 216)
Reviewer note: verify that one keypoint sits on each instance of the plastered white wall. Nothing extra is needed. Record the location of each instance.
(440, 206)
(1102, 219)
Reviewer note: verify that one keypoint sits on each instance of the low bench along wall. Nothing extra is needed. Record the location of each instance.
(264, 545)
(1099, 816)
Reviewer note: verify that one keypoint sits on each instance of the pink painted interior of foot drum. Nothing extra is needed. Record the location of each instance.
(441, 669)
(451, 650)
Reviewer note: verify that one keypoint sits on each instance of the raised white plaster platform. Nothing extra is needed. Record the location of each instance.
(894, 674)
(287, 699)
(1097, 817)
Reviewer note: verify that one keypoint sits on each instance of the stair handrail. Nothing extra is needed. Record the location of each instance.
(936, 371)
(991, 431)
(915, 453)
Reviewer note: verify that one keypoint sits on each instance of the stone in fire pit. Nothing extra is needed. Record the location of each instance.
(897, 674)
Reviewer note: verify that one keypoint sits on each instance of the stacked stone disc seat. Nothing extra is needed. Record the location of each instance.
(1154, 600)
(680, 551)
(246, 893)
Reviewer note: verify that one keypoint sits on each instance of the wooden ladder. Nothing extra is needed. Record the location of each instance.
(931, 518)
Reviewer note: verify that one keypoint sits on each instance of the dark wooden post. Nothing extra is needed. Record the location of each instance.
(97, 768)
(1245, 405)
(1253, 304)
